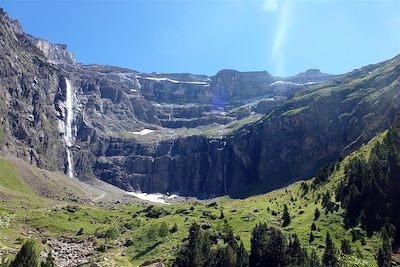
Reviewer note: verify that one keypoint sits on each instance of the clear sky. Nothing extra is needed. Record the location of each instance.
(204, 36)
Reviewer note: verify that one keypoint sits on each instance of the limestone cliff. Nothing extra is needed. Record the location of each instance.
(183, 132)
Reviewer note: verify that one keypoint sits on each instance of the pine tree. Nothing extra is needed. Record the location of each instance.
(329, 257)
(312, 237)
(229, 258)
(268, 247)
(385, 252)
(286, 216)
(297, 254)
(314, 260)
(346, 248)
(313, 227)
(258, 243)
(196, 251)
(242, 256)
(316, 214)
(28, 255)
(230, 238)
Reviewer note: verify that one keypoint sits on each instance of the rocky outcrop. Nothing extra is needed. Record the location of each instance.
(56, 53)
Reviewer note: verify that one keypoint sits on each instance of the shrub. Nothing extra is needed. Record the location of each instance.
(163, 231)
(174, 228)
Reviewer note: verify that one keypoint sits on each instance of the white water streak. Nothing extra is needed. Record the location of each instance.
(69, 119)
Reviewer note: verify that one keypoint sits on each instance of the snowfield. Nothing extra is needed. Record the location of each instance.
(157, 197)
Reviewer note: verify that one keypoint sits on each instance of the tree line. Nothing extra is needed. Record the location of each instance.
(370, 192)
(269, 246)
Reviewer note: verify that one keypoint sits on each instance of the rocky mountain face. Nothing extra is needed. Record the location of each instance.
(29, 89)
(183, 132)
(313, 128)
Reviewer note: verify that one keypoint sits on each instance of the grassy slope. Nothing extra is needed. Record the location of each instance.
(52, 219)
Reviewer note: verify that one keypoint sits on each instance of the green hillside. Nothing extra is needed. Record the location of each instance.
(130, 234)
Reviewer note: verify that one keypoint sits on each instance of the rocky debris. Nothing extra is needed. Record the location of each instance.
(128, 243)
(71, 252)
(153, 263)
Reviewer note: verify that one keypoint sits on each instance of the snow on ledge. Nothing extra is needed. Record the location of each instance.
(143, 132)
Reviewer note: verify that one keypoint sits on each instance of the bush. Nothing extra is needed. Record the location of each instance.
(174, 228)
(163, 231)
(80, 232)
(111, 233)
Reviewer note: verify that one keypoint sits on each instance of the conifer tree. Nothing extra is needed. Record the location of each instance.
(314, 260)
(286, 216)
(296, 253)
(268, 247)
(329, 257)
(316, 214)
(28, 255)
(385, 252)
(312, 237)
(345, 247)
(242, 256)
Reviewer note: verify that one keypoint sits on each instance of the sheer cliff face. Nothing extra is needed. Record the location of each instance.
(304, 122)
(313, 128)
(29, 88)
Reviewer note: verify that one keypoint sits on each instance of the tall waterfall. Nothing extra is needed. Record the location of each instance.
(68, 130)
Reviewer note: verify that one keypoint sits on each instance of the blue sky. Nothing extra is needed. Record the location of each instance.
(204, 36)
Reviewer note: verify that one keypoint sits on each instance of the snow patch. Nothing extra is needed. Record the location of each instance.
(173, 81)
(143, 132)
(309, 83)
(283, 83)
(292, 83)
(156, 198)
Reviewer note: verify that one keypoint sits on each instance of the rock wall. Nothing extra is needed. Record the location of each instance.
(292, 142)
(30, 88)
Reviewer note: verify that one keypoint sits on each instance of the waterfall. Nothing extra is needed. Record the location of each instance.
(69, 119)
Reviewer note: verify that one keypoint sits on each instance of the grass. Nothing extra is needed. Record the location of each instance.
(131, 221)
(295, 111)
(11, 179)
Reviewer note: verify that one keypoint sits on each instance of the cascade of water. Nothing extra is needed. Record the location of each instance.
(69, 119)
